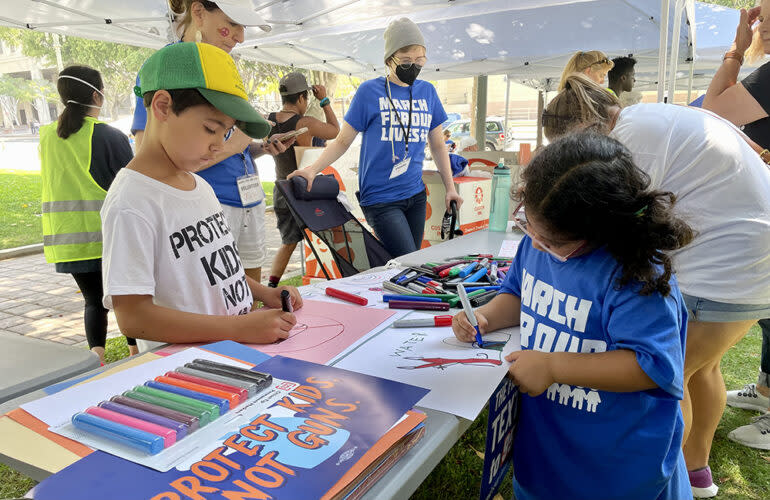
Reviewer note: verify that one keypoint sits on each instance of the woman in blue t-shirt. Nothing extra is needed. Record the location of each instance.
(222, 25)
(397, 115)
(602, 327)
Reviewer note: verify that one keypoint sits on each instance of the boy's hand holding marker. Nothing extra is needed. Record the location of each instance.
(265, 326)
(272, 297)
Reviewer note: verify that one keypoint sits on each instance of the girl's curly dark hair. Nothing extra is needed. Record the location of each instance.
(585, 186)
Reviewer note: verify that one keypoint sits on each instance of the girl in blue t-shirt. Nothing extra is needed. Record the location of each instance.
(602, 327)
(397, 116)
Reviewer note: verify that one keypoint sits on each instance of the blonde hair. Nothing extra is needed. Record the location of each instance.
(756, 50)
(580, 61)
(582, 102)
(182, 10)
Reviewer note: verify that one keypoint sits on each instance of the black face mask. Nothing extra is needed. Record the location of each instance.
(409, 75)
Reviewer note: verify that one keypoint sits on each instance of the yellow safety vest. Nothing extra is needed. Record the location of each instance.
(72, 227)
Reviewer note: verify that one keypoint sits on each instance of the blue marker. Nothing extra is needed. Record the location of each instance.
(475, 277)
(467, 270)
(135, 438)
(223, 404)
(469, 313)
(413, 298)
(407, 276)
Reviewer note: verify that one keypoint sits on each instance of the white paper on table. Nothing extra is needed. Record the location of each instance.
(367, 285)
(57, 409)
(461, 376)
(508, 249)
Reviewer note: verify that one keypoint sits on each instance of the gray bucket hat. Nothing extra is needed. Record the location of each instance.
(401, 33)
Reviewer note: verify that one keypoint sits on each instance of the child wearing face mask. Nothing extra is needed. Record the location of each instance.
(397, 115)
(603, 327)
(79, 158)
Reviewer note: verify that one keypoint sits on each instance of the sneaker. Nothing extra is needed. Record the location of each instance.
(702, 484)
(748, 398)
(754, 435)
(270, 284)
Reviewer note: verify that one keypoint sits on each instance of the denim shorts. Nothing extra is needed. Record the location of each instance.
(699, 309)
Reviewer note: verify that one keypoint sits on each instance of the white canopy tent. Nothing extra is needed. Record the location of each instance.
(528, 39)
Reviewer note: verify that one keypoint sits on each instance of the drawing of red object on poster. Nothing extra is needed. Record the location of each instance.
(460, 375)
(442, 363)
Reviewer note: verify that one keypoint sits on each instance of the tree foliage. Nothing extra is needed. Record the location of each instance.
(733, 4)
(118, 63)
(14, 90)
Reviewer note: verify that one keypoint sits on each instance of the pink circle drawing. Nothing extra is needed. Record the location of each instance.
(311, 333)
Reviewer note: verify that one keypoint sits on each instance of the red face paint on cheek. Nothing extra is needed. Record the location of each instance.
(224, 32)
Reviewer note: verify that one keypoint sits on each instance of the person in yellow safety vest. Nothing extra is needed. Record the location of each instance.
(79, 157)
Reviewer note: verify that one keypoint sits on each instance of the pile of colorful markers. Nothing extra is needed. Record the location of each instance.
(154, 416)
(433, 286)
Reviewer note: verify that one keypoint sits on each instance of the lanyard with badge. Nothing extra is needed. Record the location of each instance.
(249, 186)
(401, 167)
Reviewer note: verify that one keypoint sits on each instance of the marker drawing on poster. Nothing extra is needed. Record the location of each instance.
(461, 376)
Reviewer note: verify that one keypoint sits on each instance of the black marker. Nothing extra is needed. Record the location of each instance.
(286, 301)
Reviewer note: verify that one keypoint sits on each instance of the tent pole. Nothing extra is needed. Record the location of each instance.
(481, 113)
(689, 79)
(662, 46)
(678, 8)
(505, 120)
(540, 108)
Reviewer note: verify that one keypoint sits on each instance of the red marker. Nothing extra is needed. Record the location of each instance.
(443, 320)
(339, 294)
(243, 393)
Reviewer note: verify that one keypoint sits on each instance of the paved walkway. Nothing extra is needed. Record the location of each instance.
(36, 301)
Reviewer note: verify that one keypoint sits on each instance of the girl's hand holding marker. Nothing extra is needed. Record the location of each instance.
(463, 329)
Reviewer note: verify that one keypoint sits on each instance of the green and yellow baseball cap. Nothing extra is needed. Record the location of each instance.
(212, 72)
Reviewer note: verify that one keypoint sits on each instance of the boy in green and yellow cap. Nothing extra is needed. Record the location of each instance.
(171, 267)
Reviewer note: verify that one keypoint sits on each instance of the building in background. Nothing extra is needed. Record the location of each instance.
(29, 109)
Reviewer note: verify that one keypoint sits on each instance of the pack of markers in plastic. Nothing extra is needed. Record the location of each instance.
(433, 286)
(157, 415)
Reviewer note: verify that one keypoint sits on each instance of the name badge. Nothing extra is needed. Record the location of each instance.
(250, 189)
(400, 168)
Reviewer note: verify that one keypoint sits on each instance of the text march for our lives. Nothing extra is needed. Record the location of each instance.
(297, 448)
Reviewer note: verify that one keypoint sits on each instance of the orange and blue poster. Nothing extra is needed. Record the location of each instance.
(297, 448)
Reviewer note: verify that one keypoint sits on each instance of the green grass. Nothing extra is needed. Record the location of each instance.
(268, 187)
(20, 208)
(741, 473)
(13, 484)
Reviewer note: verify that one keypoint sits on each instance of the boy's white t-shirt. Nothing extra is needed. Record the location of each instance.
(172, 244)
(723, 192)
